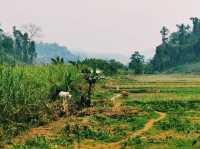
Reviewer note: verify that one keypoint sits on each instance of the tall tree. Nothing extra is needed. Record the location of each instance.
(196, 25)
(32, 51)
(24, 46)
(33, 30)
(183, 32)
(164, 33)
(137, 63)
(183, 46)
(17, 43)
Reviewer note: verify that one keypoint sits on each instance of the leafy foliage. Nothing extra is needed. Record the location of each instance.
(58, 60)
(181, 47)
(24, 93)
(91, 76)
(108, 67)
(137, 63)
(18, 49)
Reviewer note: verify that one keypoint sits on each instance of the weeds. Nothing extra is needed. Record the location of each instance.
(100, 123)
(24, 94)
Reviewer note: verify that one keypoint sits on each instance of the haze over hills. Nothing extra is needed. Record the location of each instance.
(102, 55)
(46, 51)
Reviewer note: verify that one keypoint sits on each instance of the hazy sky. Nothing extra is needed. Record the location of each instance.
(103, 26)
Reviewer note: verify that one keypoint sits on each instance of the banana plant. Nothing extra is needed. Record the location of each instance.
(57, 60)
(91, 76)
(68, 80)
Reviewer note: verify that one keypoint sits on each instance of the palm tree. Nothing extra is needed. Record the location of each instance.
(57, 60)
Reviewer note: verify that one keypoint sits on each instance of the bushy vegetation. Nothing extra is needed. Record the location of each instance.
(179, 47)
(108, 67)
(26, 91)
(146, 110)
(115, 123)
(191, 68)
(137, 63)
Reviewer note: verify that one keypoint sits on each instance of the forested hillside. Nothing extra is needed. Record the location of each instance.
(46, 51)
(192, 68)
(177, 48)
(20, 48)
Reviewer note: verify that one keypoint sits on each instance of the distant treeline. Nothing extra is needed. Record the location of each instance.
(180, 47)
(177, 48)
(109, 67)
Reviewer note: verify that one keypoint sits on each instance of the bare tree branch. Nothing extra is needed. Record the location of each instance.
(32, 30)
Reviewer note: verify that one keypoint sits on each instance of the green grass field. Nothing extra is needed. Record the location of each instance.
(160, 112)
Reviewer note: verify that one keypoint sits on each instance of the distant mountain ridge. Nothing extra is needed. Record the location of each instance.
(46, 51)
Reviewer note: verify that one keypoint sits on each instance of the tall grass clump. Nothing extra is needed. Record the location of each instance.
(24, 95)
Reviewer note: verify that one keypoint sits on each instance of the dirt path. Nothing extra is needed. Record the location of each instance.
(115, 97)
(52, 129)
(49, 130)
(117, 145)
(147, 126)
(90, 144)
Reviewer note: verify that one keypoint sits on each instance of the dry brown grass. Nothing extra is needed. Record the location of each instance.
(48, 131)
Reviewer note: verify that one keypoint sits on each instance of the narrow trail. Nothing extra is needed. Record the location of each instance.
(147, 126)
(117, 104)
(52, 129)
(115, 97)
(117, 145)
(49, 130)
(140, 132)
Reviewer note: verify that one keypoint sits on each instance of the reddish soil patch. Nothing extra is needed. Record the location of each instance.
(47, 131)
